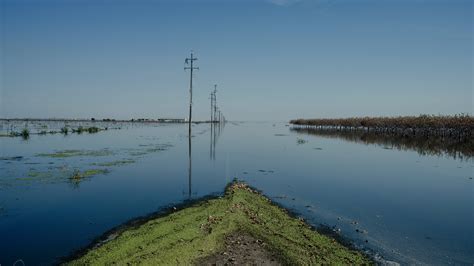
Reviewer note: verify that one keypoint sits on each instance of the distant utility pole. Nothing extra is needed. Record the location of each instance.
(190, 61)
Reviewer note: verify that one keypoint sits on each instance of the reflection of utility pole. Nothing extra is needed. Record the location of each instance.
(215, 103)
(212, 108)
(189, 167)
(191, 67)
(215, 99)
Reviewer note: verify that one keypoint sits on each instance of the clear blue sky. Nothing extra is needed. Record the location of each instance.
(272, 59)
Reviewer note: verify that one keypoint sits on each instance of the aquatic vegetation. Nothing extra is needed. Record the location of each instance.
(93, 130)
(301, 141)
(137, 153)
(58, 174)
(93, 172)
(78, 175)
(187, 236)
(79, 130)
(457, 126)
(25, 133)
(151, 148)
(73, 153)
(64, 130)
(12, 158)
(115, 163)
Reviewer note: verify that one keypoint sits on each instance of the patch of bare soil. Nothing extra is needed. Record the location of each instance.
(241, 249)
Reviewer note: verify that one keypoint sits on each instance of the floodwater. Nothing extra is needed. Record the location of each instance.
(406, 203)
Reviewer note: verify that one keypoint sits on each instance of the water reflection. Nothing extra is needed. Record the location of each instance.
(437, 146)
(189, 164)
(216, 131)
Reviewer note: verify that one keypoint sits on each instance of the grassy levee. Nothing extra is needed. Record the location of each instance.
(198, 231)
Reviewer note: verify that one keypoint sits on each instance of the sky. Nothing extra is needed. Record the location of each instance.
(271, 59)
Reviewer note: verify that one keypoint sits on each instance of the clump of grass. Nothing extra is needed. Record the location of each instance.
(79, 130)
(78, 175)
(93, 130)
(188, 235)
(42, 132)
(64, 130)
(25, 133)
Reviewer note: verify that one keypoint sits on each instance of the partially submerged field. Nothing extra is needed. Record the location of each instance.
(457, 126)
(200, 234)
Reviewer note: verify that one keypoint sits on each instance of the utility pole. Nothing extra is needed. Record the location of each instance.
(190, 61)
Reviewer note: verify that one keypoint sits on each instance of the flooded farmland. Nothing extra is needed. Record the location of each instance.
(397, 200)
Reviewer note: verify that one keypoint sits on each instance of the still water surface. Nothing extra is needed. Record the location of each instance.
(406, 205)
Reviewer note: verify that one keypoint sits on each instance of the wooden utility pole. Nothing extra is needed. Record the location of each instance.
(190, 61)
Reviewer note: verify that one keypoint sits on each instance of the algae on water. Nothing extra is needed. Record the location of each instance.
(73, 153)
(115, 163)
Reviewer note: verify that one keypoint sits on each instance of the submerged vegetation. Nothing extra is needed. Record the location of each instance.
(78, 176)
(55, 175)
(74, 170)
(190, 235)
(73, 153)
(115, 163)
(457, 126)
(25, 133)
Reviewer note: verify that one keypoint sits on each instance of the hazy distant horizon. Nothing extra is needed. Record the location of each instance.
(272, 60)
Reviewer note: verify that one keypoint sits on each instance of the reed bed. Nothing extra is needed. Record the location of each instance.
(456, 126)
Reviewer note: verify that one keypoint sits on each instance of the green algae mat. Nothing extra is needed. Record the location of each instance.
(198, 231)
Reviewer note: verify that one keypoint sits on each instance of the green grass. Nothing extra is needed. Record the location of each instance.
(198, 231)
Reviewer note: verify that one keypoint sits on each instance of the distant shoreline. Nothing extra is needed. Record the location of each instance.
(166, 120)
